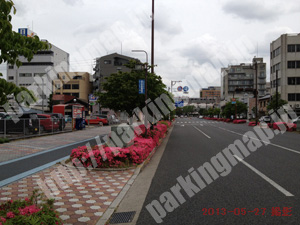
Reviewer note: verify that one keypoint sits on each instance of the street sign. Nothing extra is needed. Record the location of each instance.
(179, 88)
(142, 86)
(233, 101)
(179, 103)
(185, 88)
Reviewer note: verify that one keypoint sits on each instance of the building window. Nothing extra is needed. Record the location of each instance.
(293, 80)
(107, 61)
(76, 95)
(276, 52)
(292, 97)
(10, 67)
(75, 86)
(25, 75)
(67, 86)
(291, 48)
(10, 78)
(63, 77)
(66, 93)
(298, 48)
(293, 64)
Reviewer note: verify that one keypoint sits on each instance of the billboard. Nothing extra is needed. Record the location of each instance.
(26, 32)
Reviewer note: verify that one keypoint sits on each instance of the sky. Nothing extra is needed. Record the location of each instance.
(194, 39)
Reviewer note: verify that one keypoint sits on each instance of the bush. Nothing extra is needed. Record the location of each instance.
(28, 211)
(116, 157)
(3, 140)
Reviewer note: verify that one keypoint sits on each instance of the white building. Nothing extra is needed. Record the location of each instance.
(37, 75)
(285, 59)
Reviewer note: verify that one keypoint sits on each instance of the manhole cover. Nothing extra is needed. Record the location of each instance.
(122, 217)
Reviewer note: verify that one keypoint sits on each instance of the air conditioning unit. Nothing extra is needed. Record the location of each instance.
(297, 105)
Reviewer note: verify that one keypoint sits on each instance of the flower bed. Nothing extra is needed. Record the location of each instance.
(116, 157)
(28, 211)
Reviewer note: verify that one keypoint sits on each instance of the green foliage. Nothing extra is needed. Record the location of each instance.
(272, 103)
(28, 211)
(121, 90)
(13, 45)
(3, 140)
(230, 109)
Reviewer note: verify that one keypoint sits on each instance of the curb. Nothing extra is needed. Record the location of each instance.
(111, 209)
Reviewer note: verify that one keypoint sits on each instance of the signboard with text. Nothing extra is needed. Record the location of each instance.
(142, 86)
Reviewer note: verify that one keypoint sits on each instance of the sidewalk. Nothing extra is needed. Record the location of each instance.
(20, 148)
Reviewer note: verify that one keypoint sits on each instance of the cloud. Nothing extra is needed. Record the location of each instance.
(253, 10)
(73, 2)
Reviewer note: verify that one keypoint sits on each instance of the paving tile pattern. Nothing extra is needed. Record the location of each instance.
(20, 148)
(81, 196)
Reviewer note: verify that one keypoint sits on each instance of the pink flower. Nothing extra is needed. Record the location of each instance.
(3, 219)
(10, 215)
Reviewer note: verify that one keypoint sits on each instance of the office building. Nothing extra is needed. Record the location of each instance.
(285, 62)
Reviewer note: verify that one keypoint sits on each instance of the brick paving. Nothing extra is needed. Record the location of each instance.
(19, 148)
(80, 198)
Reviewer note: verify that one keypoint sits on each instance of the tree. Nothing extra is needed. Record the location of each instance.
(272, 103)
(217, 112)
(13, 45)
(230, 109)
(120, 91)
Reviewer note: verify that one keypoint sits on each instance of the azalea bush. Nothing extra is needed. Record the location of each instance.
(116, 157)
(28, 211)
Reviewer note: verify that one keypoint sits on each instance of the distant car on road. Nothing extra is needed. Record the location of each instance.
(96, 120)
(200, 117)
(266, 119)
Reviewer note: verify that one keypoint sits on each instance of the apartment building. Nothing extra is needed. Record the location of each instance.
(285, 62)
(107, 65)
(77, 84)
(239, 81)
(37, 74)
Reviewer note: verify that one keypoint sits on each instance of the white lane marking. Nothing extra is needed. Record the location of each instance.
(278, 146)
(277, 186)
(202, 132)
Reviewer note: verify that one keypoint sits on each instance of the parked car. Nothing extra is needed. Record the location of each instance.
(48, 122)
(96, 120)
(104, 117)
(266, 119)
(61, 119)
(23, 123)
(200, 117)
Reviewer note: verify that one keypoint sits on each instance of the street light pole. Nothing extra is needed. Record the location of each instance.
(146, 74)
(152, 39)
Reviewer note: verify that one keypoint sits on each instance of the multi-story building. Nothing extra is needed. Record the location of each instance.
(285, 61)
(107, 65)
(37, 74)
(239, 81)
(212, 92)
(77, 84)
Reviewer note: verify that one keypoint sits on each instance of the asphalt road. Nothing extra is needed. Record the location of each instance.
(265, 179)
(28, 163)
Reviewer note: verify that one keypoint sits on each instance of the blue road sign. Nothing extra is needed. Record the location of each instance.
(179, 104)
(142, 86)
(185, 88)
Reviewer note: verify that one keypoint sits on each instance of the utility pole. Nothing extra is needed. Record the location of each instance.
(256, 93)
(152, 39)
(276, 90)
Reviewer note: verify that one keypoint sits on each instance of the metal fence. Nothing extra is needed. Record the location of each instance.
(20, 128)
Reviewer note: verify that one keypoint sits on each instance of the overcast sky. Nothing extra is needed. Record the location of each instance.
(193, 38)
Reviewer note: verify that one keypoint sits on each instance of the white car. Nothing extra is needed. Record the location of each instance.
(200, 117)
(265, 119)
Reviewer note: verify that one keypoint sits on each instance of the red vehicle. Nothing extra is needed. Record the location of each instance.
(96, 120)
(48, 122)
